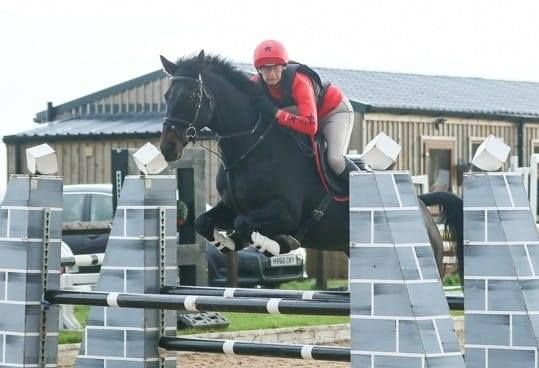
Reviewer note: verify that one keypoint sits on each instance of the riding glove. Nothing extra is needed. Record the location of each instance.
(265, 106)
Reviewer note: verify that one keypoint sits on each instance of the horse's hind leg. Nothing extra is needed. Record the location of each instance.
(267, 228)
(219, 217)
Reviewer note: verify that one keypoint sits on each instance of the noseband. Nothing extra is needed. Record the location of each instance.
(190, 128)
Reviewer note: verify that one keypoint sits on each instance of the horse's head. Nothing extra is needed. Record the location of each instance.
(189, 106)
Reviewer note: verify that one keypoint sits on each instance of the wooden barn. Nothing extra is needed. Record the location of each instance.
(439, 122)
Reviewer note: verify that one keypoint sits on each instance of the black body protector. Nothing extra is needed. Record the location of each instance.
(289, 73)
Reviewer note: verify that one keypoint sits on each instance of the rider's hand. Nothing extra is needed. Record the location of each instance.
(264, 105)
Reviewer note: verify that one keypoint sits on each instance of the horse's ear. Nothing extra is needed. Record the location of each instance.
(200, 61)
(168, 66)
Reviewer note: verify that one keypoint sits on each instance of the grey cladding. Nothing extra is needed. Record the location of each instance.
(117, 337)
(501, 286)
(29, 204)
(399, 314)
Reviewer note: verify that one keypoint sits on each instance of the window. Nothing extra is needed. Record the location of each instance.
(535, 146)
(100, 207)
(73, 206)
(473, 145)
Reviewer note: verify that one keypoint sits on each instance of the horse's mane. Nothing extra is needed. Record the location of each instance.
(221, 67)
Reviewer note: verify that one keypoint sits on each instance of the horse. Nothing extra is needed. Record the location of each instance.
(270, 191)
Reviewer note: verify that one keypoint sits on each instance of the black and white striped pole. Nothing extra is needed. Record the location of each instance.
(192, 303)
(273, 350)
(455, 302)
(83, 260)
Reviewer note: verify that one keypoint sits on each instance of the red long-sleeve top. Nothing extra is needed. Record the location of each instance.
(306, 121)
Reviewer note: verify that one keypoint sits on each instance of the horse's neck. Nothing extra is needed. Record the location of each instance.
(234, 148)
(235, 115)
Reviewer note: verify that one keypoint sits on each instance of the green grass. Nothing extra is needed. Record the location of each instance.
(254, 321)
(310, 284)
(452, 280)
(69, 337)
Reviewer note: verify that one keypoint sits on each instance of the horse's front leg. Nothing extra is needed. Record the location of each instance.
(267, 227)
(210, 223)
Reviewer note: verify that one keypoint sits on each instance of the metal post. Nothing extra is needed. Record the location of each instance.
(321, 276)
(44, 286)
(532, 193)
(232, 269)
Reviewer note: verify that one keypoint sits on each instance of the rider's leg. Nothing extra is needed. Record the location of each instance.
(337, 129)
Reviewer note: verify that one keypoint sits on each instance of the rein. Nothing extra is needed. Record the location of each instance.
(251, 148)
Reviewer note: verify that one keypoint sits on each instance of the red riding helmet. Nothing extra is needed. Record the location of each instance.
(270, 52)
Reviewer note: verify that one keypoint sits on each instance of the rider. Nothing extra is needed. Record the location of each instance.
(317, 105)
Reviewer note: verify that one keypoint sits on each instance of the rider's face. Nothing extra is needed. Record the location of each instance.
(271, 73)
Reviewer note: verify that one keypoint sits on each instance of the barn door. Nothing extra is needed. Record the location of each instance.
(440, 163)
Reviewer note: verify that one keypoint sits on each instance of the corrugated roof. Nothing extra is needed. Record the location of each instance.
(140, 124)
(96, 126)
(412, 92)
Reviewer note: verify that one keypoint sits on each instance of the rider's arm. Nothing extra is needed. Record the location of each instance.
(306, 120)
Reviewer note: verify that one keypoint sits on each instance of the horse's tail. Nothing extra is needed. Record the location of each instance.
(452, 216)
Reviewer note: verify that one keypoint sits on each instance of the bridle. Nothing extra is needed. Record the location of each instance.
(190, 126)
(191, 130)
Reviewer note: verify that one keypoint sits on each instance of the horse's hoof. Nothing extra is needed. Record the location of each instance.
(265, 245)
(287, 243)
(223, 242)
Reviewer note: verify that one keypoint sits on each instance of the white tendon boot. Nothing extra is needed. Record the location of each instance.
(223, 242)
(264, 244)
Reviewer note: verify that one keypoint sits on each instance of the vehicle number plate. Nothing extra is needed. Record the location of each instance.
(284, 260)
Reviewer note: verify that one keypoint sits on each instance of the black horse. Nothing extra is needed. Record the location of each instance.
(267, 181)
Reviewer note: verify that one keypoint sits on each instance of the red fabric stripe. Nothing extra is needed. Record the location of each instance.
(321, 175)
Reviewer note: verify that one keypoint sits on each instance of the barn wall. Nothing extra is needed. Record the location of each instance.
(81, 161)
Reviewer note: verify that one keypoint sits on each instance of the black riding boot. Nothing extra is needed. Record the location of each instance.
(343, 177)
(362, 165)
